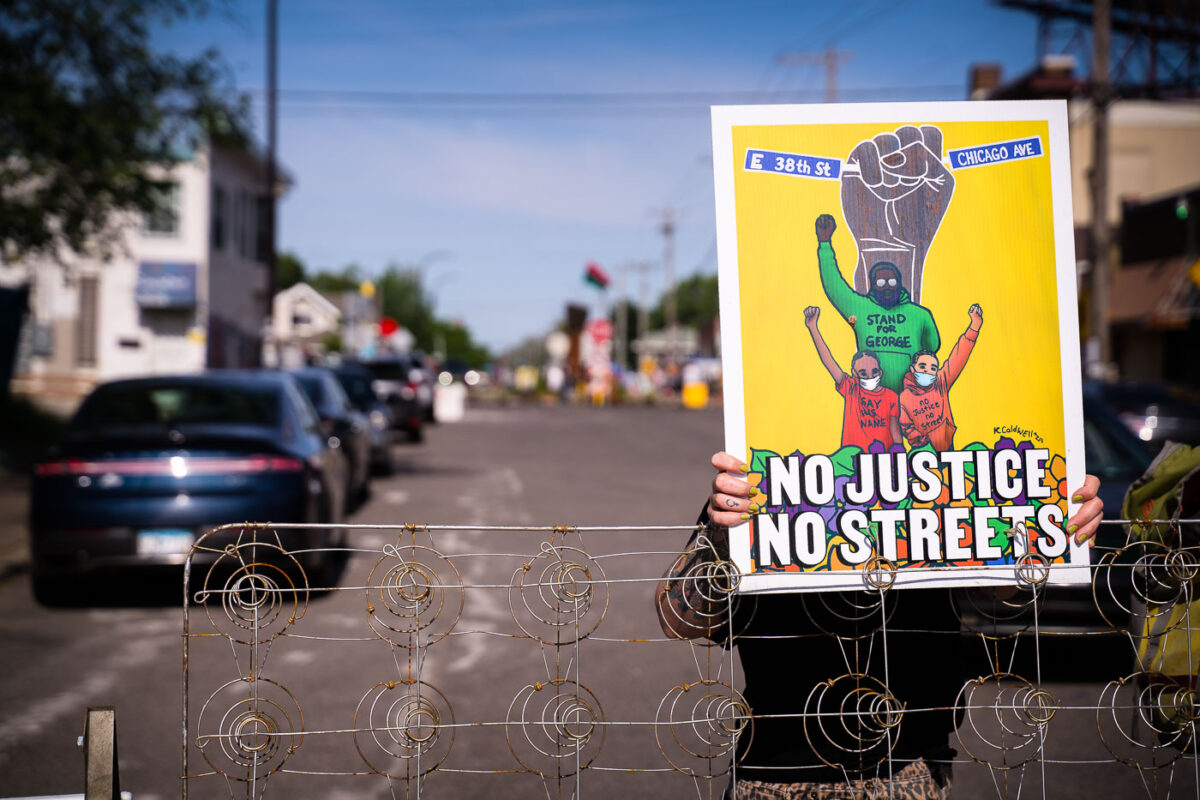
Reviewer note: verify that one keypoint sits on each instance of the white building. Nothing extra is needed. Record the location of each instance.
(302, 320)
(186, 290)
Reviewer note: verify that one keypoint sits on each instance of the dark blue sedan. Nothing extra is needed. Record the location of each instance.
(147, 465)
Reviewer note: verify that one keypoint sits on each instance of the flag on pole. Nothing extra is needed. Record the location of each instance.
(595, 276)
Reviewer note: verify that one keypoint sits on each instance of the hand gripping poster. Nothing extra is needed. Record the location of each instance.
(900, 342)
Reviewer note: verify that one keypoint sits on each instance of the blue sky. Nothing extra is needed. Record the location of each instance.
(503, 197)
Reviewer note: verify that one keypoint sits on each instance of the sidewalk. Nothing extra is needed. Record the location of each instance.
(14, 538)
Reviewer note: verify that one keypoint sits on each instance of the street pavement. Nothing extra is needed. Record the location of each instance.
(526, 466)
(14, 506)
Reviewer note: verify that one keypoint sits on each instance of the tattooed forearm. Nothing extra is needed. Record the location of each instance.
(688, 603)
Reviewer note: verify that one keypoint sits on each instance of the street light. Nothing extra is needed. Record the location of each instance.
(439, 341)
(435, 285)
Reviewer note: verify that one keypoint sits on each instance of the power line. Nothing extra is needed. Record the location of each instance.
(829, 58)
(317, 102)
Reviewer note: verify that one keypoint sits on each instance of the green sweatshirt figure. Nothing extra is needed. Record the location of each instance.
(885, 320)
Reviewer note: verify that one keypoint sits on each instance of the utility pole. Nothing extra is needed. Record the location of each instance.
(829, 58)
(1101, 97)
(621, 311)
(643, 322)
(667, 229)
(272, 147)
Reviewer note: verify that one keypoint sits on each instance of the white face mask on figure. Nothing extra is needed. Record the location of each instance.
(870, 384)
(925, 379)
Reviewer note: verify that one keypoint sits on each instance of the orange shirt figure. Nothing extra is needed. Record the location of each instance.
(871, 410)
(925, 414)
(869, 414)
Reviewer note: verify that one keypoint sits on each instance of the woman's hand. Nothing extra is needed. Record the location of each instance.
(730, 502)
(1086, 521)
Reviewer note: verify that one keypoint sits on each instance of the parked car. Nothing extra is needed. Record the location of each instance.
(1155, 413)
(347, 427)
(397, 381)
(425, 386)
(147, 465)
(1117, 458)
(356, 381)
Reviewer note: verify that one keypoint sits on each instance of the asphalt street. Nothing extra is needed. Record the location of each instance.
(529, 466)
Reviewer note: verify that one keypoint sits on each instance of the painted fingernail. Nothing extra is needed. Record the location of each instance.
(754, 509)
(1077, 498)
(744, 467)
(1072, 528)
(1079, 539)
(745, 516)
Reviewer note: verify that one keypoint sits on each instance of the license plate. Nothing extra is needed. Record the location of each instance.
(164, 542)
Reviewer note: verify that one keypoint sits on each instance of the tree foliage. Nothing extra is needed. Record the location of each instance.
(696, 302)
(289, 270)
(401, 295)
(459, 347)
(87, 109)
(347, 279)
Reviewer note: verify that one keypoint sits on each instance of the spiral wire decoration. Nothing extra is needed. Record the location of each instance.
(412, 598)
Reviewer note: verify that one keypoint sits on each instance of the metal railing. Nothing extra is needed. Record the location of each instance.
(251, 592)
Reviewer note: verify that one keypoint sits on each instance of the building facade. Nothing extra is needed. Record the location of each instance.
(302, 322)
(1152, 305)
(185, 289)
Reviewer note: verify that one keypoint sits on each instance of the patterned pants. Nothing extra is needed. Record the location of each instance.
(920, 780)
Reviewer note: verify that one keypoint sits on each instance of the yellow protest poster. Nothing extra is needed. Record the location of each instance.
(900, 342)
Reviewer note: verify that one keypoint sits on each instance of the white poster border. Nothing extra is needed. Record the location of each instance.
(1054, 113)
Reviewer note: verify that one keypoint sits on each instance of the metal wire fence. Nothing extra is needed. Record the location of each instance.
(391, 597)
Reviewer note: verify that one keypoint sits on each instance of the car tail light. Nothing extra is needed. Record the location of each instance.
(1142, 426)
(178, 466)
(68, 467)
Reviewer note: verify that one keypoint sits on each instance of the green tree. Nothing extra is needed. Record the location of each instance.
(459, 346)
(346, 279)
(403, 298)
(289, 270)
(696, 302)
(86, 107)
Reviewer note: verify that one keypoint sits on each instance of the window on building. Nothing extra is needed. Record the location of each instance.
(245, 225)
(163, 218)
(239, 222)
(87, 323)
(218, 218)
(262, 242)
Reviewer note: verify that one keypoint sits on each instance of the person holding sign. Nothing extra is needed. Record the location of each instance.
(885, 320)
(871, 411)
(925, 402)
(801, 676)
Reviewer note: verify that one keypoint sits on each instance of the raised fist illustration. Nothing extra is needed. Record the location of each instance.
(895, 191)
(825, 227)
(811, 315)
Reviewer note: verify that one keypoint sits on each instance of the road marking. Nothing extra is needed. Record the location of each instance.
(395, 497)
(489, 416)
(141, 644)
(370, 541)
(497, 495)
(510, 477)
(298, 657)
